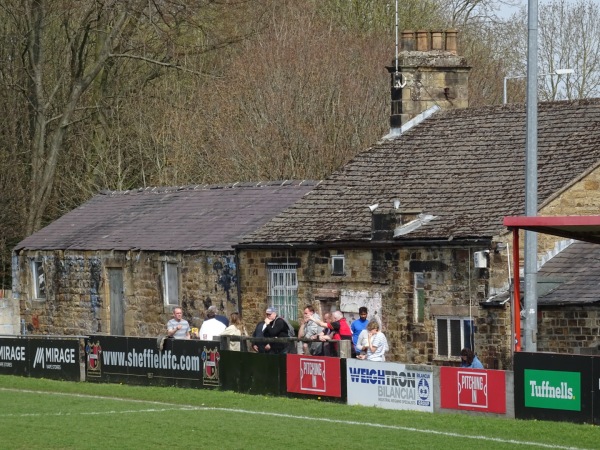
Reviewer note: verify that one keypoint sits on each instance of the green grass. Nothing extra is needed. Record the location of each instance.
(47, 414)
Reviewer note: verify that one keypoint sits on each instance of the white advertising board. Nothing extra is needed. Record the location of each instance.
(389, 385)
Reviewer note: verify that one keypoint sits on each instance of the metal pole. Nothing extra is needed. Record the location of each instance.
(505, 78)
(516, 293)
(531, 180)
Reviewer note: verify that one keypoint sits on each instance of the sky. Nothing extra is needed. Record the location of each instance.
(506, 11)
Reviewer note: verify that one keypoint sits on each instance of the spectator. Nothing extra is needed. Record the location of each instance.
(468, 359)
(309, 329)
(341, 331)
(178, 327)
(276, 328)
(358, 326)
(211, 327)
(362, 343)
(377, 343)
(259, 333)
(236, 328)
(326, 335)
(224, 320)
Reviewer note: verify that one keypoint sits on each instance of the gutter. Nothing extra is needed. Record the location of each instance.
(365, 244)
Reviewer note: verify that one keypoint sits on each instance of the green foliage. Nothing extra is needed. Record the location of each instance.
(42, 414)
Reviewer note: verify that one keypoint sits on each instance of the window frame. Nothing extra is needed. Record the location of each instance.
(467, 336)
(168, 287)
(419, 297)
(282, 288)
(39, 290)
(335, 258)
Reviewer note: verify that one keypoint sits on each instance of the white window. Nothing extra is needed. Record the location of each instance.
(283, 289)
(337, 265)
(38, 279)
(452, 334)
(419, 298)
(171, 283)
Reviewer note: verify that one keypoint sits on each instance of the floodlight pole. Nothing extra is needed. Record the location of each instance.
(531, 184)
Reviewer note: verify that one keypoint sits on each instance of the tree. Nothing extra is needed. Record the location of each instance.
(568, 38)
(69, 54)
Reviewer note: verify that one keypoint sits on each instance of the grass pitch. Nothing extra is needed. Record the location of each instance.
(46, 414)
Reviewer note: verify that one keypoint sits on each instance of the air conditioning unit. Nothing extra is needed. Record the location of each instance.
(480, 259)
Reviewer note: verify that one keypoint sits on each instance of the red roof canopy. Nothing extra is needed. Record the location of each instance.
(581, 228)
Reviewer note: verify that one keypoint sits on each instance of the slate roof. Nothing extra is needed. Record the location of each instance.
(572, 277)
(464, 166)
(162, 219)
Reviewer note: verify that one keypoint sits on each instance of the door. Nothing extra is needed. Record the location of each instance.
(117, 302)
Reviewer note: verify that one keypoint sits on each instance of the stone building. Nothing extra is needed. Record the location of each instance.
(569, 301)
(120, 262)
(412, 227)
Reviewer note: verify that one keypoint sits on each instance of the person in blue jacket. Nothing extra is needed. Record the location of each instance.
(358, 325)
(468, 359)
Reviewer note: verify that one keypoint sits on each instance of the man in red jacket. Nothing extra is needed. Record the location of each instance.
(341, 331)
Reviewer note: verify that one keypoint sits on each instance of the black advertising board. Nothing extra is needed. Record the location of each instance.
(131, 360)
(552, 386)
(41, 357)
(13, 356)
(55, 358)
(596, 389)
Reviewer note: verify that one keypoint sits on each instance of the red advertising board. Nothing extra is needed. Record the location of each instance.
(314, 375)
(473, 389)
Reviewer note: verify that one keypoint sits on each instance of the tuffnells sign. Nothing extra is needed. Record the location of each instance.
(553, 389)
(40, 357)
(553, 386)
(473, 389)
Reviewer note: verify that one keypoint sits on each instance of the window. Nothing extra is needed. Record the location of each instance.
(283, 289)
(171, 284)
(452, 334)
(337, 265)
(419, 298)
(39, 279)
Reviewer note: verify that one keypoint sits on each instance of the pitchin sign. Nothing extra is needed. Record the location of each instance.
(473, 389)
(315, 375)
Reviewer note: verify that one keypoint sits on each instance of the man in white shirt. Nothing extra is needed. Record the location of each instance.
(211, 327)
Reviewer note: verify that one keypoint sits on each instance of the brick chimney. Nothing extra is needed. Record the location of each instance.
(429, 73)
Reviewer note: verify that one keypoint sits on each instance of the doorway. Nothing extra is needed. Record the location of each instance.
(117, 302)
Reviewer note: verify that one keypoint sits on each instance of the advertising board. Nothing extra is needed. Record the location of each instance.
(473, 389)
(389, 385)
(552, 386)
(41, 357)
(120, 359)
(313, 375)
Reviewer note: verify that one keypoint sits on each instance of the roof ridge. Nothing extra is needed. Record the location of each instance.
(207, 186)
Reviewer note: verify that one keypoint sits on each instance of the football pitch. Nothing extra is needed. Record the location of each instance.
(47, 414)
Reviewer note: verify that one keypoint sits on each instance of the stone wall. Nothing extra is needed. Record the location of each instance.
(382, 280)
(568, 329)
(9, 313)
(77, 300)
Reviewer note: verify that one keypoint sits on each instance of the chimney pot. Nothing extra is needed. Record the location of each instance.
(408, 40)
(437, 42)
(423, 41)
(451, 41)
